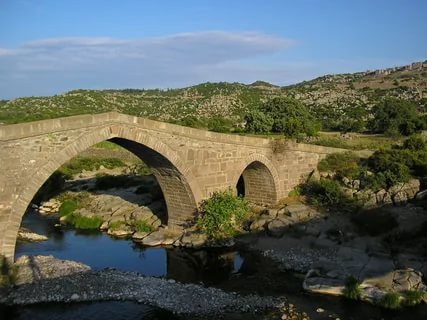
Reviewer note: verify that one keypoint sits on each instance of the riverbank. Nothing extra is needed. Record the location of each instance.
(383, 250)
(80, 284)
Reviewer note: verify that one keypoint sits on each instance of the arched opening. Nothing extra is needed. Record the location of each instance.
(257, 184)
(164, 162)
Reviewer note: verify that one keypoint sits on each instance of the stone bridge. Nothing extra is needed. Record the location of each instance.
(189, 164)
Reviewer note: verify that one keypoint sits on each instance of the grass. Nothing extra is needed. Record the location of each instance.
(78, 164)
(67, 207)
(413, 297)
(358, 142)
(107, 145)
(117, 225)
(391, 300)
(142, 226)
(81, 222)
(352, 289)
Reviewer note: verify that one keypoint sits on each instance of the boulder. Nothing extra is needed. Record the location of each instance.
(276, 228)
(27, 235)
(259, 224)
(298, 212)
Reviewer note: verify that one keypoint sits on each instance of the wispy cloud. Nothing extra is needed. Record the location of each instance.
(175, 60)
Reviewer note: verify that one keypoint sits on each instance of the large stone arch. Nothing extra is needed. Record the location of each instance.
(179, 187)
(260, 178)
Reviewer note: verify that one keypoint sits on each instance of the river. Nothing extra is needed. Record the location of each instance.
(233, 269)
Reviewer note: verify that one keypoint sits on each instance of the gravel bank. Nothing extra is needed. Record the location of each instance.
(110, 284)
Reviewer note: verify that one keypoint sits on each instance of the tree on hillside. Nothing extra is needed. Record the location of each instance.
(393, 117)
(282, 115)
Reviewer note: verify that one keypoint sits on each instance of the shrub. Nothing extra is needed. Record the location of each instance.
(345, 164)
(352, 288)
(222, 214)
(391, 300)
(80, 222)
(326, 192)
(415, 142)
(142, 226)
(413, 297)
(8, 272)
(67, 207)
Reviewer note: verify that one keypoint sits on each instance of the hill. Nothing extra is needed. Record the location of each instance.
(332, 98)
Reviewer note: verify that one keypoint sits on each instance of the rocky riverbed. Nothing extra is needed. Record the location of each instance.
(46, 279)
(383, 249)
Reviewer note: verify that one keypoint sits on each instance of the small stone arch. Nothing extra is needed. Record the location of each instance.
(179, 187)
(260, 180)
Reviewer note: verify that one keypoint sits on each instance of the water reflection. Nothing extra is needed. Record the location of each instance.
(202, 266)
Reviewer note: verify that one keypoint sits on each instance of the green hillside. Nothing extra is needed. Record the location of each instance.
(333, 99)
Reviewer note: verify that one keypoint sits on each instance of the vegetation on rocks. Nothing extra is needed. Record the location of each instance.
(222, 214)
(391, 300)
(81, 222)
(352, 289)
(78, 164)
(413, 297)
(142, 226)
(327, 193)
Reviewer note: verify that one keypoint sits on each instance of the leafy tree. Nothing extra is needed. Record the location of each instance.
(393, 117)
(289, 116)
(354, 119)
(219, 124)
(257, 121)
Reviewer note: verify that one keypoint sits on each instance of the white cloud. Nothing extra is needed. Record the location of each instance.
(60, 64)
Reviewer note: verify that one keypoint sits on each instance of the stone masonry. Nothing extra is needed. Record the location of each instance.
(189, 164)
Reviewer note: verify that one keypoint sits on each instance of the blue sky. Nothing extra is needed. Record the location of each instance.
(49, 47)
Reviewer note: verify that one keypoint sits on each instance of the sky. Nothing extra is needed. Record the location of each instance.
(48, 47)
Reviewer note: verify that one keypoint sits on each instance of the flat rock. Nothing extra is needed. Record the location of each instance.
(154, 239)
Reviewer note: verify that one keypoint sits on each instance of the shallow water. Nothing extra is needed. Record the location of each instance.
(235, 269)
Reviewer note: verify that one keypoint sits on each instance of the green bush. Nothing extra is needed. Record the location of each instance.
(67, 207)
(346, 164)
(142, 226)
(391, 300)
(413, 297)
(394, 117)
(81, 222)
(222, 214)
(352, 288)
(326, 192)
(8, 272)
(415, 142)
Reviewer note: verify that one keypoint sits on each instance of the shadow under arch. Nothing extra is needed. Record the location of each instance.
(258, 181)
(179, 187)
